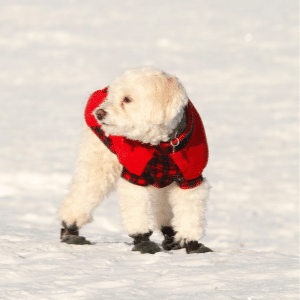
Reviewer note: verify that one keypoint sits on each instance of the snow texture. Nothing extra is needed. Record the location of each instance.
(238, 61)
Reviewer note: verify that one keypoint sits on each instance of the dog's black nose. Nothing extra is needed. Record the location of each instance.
(100, 114)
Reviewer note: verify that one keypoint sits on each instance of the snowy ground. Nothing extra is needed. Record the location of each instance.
(239, 63)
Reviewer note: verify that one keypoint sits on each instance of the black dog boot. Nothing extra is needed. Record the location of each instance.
(70, 235)
(168, 242)
(195, 247)
(143, 244)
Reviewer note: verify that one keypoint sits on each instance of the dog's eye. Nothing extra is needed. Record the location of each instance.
(126, 100)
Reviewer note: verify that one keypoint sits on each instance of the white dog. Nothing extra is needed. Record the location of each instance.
(143, 135)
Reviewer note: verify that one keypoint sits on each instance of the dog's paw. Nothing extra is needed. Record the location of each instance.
(195, 247)
(147, 247)
(70, 235)
(75, 240)
(169, 244)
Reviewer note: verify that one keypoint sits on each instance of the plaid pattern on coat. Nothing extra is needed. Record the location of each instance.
(160, 171)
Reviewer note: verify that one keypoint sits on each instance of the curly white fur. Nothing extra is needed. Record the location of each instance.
(189, 207)
(158, 102)
(96, 173)
(157, 106)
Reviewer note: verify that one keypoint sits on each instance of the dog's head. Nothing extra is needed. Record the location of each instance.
(143, 104)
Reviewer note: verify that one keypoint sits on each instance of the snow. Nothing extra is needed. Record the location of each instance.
(238, 61)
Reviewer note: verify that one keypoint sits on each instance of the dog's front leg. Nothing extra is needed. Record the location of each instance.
(96, 173)
(136, 212)
(189, 207)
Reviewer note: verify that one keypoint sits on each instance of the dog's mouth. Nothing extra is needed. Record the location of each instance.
(103, 123)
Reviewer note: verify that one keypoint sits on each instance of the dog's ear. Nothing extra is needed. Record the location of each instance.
(176, 99)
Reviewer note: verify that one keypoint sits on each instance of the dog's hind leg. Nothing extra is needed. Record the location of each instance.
(189, 207)
(163, 216)
(96, 173)
(161, 207)
(136, 212)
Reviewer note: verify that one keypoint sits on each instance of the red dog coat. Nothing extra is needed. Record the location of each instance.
(160, 165)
